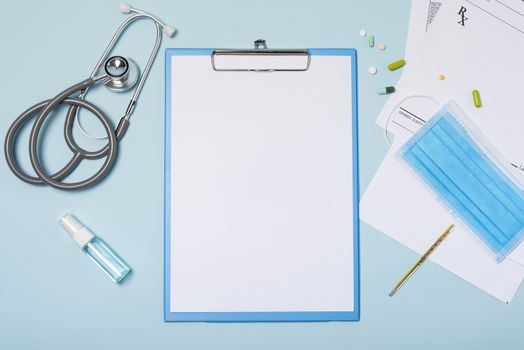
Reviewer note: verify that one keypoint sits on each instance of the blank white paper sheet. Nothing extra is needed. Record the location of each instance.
(261, 191)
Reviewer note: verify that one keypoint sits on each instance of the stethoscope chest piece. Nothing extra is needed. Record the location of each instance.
(122, 73)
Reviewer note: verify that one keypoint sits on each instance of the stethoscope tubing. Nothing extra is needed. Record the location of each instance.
(41, 111)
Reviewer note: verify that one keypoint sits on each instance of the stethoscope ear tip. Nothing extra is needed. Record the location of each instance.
(125, 7)
(169, 31)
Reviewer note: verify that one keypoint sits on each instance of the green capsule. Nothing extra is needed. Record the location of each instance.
(396, 65)
(476, 98)
(386, 90)
(371, 40)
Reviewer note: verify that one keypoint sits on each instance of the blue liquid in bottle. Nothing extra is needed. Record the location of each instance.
(107, 260)
(96, 249)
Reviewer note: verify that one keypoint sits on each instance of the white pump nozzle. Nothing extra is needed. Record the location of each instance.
(78, 232)
(125, 8)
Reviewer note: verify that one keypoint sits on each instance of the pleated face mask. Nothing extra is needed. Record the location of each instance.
(447, 158)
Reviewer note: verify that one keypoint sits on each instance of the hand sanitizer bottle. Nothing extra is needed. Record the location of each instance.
(95, 248)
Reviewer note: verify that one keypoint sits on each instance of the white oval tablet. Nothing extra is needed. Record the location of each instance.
(362, 32)
(372, 70)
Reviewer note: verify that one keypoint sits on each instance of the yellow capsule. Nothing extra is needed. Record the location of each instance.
(476, 98)
(396, 65)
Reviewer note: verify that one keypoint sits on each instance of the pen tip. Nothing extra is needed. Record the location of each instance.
(392, 293)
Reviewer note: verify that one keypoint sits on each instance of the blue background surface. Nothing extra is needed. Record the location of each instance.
(53, 297)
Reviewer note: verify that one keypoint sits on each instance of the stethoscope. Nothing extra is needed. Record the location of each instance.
(119, 74)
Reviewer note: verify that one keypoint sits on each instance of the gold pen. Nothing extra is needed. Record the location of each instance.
(421, 260)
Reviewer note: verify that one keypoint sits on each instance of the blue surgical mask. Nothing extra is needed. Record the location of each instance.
(447, 158)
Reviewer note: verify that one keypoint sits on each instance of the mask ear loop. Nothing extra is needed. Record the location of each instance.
(389, 142)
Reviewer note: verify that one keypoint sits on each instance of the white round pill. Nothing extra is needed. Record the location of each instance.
(362, 32)
(372, 70)
(381, 46)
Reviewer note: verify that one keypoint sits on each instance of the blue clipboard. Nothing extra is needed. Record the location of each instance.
(278, 316)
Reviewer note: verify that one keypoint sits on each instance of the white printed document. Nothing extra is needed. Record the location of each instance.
(473, 45)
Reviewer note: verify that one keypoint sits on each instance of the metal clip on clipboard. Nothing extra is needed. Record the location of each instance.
(260, 59)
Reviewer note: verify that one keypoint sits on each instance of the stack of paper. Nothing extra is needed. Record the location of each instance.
(454, 47)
